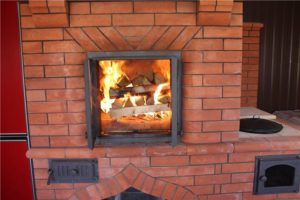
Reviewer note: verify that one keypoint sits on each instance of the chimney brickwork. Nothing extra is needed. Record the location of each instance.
(250, 66)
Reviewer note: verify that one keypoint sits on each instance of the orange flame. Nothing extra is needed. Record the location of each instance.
(164, 67)
(111, 74)
(157, 92)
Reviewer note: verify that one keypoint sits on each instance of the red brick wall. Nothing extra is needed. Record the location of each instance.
(53, 64)
(206, 171)
(250, 67)
(209, 164)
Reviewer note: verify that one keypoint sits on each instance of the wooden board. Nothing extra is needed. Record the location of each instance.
(130, 111)
(135, 90)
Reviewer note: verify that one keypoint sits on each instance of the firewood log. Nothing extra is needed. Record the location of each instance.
(140, 101)
(124, 82)
(164, 99)
(159, 79)
(140, 81)
(119, 92)
(118, 103)
(129, 111)
(150, 101)
(135, 68)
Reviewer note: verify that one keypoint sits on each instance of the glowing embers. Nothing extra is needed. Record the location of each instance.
(135, 95)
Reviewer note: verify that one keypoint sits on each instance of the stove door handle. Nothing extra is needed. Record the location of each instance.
(263, 178)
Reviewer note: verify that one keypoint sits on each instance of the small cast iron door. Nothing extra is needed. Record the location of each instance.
(277, 174)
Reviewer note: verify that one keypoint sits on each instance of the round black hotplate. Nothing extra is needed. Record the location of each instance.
(259, 126)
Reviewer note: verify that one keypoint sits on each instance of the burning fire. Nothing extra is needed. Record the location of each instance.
(112, 73)
(157, 92)
(140, 92)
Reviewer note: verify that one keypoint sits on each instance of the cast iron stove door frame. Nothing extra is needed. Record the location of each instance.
(91, 71)
(262, 163)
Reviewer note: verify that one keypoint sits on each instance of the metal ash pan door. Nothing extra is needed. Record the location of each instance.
(277, 174)
(73, 171)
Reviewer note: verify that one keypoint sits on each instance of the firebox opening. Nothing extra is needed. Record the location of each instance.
(135, 96)
(133, 194)
(280, 175)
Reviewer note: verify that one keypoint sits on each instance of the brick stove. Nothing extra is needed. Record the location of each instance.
(210, 162)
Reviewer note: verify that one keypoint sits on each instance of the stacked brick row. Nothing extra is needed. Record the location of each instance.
(250, 68)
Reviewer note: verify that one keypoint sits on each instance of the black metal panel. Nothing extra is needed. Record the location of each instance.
(92, 108)
(133, 194)
(15, 137)
(73, 171)
(279, 76)
(277, 174)
(87, 78)
(114, 0)
(92, 99)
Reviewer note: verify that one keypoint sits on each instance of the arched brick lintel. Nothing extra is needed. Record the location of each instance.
(131, 176)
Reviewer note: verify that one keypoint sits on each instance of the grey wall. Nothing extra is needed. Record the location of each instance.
(279, 76)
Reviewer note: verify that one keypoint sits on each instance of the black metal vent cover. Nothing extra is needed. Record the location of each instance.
(73, 171)
(277, 174)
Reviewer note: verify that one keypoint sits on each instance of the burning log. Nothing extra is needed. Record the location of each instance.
(141, 80)
(165, 99)
(150, 101)
(134, 90)
(129, 111)
(159, 79)
(117, 104)
(124, 82)
(128, 103)
(135, 68)
(140, 101)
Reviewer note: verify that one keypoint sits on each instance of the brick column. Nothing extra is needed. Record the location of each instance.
(214, 12)
(250, 68)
